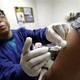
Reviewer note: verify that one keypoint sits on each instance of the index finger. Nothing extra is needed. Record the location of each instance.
(60, 30)
(27, 45)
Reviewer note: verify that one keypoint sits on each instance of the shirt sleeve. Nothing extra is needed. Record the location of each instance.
(37, 35)
(10, 71)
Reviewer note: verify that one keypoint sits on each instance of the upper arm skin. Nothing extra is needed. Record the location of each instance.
(67, 63)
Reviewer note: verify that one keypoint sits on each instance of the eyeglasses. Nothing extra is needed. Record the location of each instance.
(2, 16)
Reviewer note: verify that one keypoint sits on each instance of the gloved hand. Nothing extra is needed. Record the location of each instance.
(32, 61)
(45, 68)
(57, 33)
(48, 63)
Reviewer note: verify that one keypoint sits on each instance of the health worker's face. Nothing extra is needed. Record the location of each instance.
(4, 26)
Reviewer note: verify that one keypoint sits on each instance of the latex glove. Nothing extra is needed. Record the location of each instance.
(48, 63)
(57, 33)
(45, 68)
(32, 61)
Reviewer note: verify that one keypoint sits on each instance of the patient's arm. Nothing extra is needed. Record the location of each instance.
(67, 63)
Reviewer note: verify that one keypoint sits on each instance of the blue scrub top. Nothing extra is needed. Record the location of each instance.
(10, 53)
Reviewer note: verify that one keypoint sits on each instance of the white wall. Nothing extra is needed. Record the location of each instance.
(50, 11)
(8, 7)
(45, 11)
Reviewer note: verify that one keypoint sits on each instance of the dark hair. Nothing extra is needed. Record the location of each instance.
(2, 12)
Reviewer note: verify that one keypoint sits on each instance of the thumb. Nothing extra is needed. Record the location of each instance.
(27, 45)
